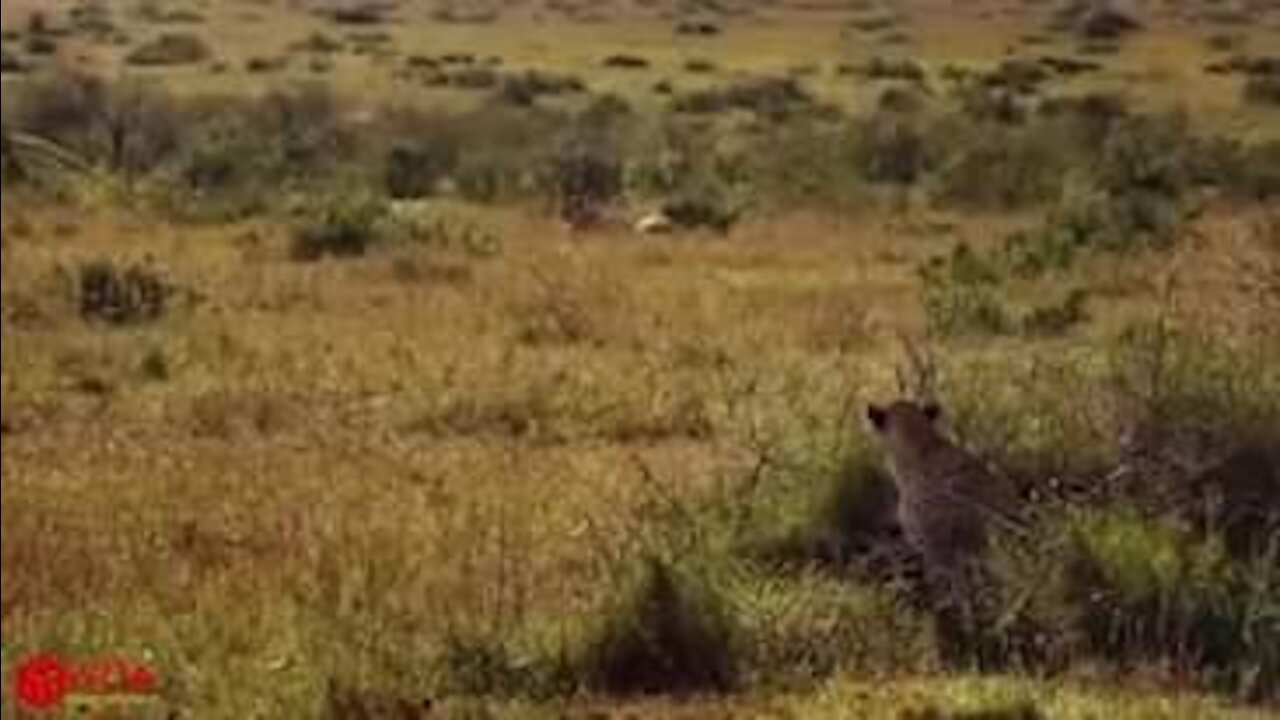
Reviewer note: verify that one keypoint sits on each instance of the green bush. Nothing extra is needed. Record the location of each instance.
(362, 13)
(1094, 223)
(171, 49)
(319, 43)
(1058, 319)
(710, 210)
(672, 632)
(806, 163)
(343, 702)
(830, 512)
(11, 64)
(122, 294)
(345, 228)
(995, 167)
(1257, 173)
(768, 98)
(892, 148)
(587, 179)
(1192, 396)
(626, 62)
(416, 171)
(906, 70)
(11, 169)
(800, 631)
(525, 88)
(41, 45)
(474, 78)
(259, 65)
(1145, 593)
(1106, 23)
(473, 665)
(1263, 89)
(1019, 75)
(962, 295)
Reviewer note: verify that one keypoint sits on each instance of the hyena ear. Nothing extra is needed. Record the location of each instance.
(933, 411)
(879, 417)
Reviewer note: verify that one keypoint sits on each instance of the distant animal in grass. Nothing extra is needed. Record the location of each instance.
(948, 505)
(656, 223)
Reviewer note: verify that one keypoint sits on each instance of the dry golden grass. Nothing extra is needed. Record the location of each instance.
(315, 471)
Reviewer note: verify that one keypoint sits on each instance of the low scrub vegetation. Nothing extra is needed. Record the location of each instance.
(10, 63)
(987, 151)
(171, 49)
(122, 295)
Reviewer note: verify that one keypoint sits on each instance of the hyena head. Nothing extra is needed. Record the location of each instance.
(907, 427)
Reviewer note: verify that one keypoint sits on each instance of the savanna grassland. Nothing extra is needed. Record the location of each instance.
(338, 384)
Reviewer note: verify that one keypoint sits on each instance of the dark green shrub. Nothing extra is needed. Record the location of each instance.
(906, 70)
(1257, 175)
(1018, 75)
(698, 28)
(40, 45)
(806, 163)
(769, 98)
(1092, 117)
(416, 171)
(129, 126)
(903, 100)
(1057, 319)
(710, 210)
(344, 229)
(1263, 89)
(525, 88)
(1070, 66)
(1016, 711)
(170, 49)
(1149, 154)
(10, 63)
(700, 67)
(673, 632)
(1091, 224)
(482, 666)
(804, 629)
(122, 295)
(875, 24)
(892, 148)
(835, 513)
(364, 13)
(319, 43)
(342, 702)
(626, 62)
(997, 167)
(1107, 23)
(587, 179)
(452, 235)
(38, 24)
(156, 12)
(1191, 396)
(474, 78)
(260, 65)
(1146, 593)
(961, 294)
(987, 103)
(11, 169)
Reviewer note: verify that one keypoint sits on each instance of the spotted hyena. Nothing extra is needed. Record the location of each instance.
(948, 504)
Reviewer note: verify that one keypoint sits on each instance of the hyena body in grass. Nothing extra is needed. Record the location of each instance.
(948, 506)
